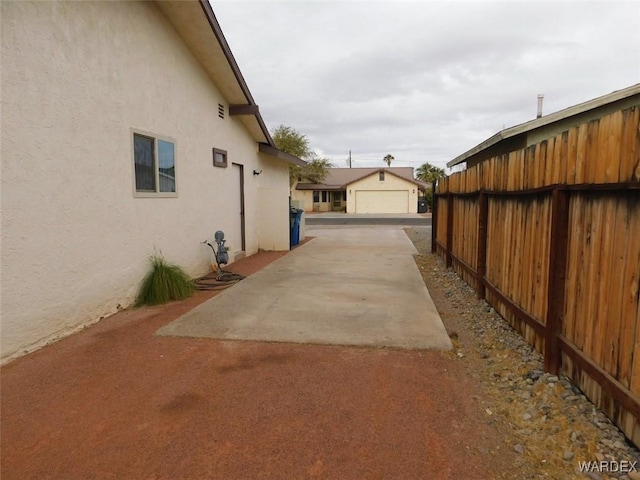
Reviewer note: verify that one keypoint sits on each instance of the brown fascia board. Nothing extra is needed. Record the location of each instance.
(243, 110)
(217, 31)
(546, 120)
(318, 186)
(274, 152)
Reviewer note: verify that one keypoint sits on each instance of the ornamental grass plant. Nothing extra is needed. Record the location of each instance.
(164, 283)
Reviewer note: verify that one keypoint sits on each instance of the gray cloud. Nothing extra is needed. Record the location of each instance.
(425, 80)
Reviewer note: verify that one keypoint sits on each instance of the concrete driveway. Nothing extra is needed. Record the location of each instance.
(347, 286)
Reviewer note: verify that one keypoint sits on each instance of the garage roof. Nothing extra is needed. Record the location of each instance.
(339, 178)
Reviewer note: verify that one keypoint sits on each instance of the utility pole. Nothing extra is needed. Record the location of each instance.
(349, 158)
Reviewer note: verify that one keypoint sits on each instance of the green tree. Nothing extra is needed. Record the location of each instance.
(295, 143)
(315, 171)
(429, 173)
(388, 159)
(290, 141)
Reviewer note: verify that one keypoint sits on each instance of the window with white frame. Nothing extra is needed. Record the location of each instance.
(154, 165)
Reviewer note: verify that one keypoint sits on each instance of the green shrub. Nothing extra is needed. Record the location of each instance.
(164, 283)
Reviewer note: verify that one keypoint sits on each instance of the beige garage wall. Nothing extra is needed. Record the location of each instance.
(305, 196)
(391, 182)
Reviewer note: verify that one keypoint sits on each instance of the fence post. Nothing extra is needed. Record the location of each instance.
(557, 278)
(434, 217)
(448, 258)
(483, 211)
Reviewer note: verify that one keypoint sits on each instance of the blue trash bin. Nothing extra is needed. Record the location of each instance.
(294, 235)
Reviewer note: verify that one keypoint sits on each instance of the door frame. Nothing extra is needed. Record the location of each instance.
(242, 225)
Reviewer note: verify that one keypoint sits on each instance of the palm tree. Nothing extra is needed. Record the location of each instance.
(429, 173)
(388, 159)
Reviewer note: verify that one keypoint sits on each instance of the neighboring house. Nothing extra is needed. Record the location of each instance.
(534, 131)
(362, 190)
(127, 130)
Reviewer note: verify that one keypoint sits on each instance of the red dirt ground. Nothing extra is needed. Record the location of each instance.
(117, 402)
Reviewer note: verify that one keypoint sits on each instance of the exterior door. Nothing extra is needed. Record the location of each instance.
(237, 205)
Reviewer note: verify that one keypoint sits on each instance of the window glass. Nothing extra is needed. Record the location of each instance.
(316, 196)
(324, 196)
(144, 163)
(382, 176)
(166, 166)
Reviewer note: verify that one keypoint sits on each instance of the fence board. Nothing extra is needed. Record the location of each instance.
(592, 152)
(593, 239)
(572, 153)
(613, 299)
(581, 154)
(569, 326)
(562, 152)
(631, 298)
(606, 335)
(552, 168)
(543, 264)
(529, 167)
(614, 144)
(520, 245)
(541, 154)
(602, 146)
(630, 145)
(580, 292)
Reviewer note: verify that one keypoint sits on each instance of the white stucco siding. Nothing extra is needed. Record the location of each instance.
(391, 195)
(77, 79)
(272, 196)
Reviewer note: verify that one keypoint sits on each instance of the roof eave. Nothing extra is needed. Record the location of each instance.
(279, 154)
(217, 31)
(477, 149)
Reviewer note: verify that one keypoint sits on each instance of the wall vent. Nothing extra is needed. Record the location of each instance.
(221, 110)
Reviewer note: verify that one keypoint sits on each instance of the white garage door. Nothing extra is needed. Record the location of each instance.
(382, 201)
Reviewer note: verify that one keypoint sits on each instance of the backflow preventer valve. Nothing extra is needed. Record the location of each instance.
(222, 256)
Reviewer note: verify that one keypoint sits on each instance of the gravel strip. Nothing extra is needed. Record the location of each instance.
(550, 424)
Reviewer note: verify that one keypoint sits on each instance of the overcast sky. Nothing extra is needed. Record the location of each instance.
(424, 81)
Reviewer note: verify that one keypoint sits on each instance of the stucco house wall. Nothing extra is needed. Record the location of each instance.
(391, 183)
(272, 202)
(78, 78)
(304, 196)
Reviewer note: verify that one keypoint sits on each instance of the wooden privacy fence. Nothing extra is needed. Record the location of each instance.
(549, 235)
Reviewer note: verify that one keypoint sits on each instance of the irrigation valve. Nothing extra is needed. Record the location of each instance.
(222, 257)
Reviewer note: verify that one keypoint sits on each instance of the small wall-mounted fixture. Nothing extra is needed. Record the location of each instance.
(413, 191)
(219, 158)
(257, 172)
(349, 192)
